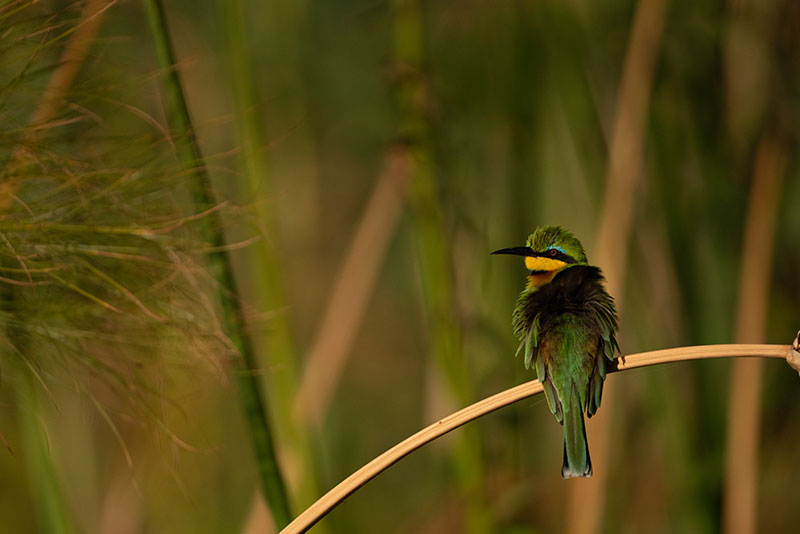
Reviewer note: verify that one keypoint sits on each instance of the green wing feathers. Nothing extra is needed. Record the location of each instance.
(530, 341)
(531, 354)
(606, 317)
(596, 383)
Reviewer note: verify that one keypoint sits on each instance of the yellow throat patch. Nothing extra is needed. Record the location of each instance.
(549, 266)
(534, 263)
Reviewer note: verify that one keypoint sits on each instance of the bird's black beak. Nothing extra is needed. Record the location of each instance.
(516, 251)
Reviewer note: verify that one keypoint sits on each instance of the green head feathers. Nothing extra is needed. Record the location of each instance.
(554, 237)
(548, 249)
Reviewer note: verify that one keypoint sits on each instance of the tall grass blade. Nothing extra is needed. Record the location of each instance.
(54, 515)
(252, 398)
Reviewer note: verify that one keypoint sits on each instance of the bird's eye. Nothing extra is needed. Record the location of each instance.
(552, 252)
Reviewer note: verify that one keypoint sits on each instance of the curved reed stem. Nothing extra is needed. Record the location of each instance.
(379, 464)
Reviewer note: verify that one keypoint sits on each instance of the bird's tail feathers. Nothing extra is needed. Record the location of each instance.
(576, 449)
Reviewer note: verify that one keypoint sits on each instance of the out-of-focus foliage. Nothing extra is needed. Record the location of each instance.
(105, 299)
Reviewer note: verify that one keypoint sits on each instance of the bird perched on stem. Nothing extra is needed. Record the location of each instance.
(567, 324)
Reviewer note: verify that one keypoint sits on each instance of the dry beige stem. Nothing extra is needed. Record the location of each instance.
(793, 358)
(626, 149)
(744, 406)
(352, 289)
(69, 65)
(330, 500)
(259, 519)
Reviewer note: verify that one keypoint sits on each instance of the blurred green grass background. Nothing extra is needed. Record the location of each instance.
(482, 120)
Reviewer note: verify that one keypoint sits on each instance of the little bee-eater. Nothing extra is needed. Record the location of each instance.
(567, 325)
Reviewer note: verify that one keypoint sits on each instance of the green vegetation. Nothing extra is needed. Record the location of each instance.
(165, 268)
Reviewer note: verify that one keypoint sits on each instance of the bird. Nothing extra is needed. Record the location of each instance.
(566, 323)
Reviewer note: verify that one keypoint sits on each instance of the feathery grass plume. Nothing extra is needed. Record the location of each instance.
(95, 245)
(100, 286)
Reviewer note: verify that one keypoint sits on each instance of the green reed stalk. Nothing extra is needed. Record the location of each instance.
(433, 250)
(52, 511)
(251, 397)
(264, 271)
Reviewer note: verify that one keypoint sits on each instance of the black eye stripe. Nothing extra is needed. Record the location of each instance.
(556, 255)
(566, 258)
